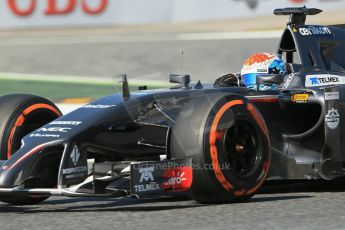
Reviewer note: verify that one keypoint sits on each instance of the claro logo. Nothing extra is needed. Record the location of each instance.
(25, 8)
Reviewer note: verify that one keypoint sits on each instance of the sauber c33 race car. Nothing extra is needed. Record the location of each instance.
(215, 143)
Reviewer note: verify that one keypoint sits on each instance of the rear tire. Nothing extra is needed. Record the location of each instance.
(228, 142)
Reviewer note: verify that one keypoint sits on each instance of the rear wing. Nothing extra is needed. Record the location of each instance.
(298, 15)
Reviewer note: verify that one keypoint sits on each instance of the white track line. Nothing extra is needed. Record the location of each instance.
(13, 41)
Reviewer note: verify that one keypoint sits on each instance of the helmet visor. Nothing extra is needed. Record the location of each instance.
(249, 79)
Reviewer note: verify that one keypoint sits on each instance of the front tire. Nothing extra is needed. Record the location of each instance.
(21, 114)
(228, 142)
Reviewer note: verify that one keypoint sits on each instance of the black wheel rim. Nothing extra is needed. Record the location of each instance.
(241, 148)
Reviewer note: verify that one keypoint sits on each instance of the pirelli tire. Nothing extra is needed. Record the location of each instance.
(228, 141)
(19, 115)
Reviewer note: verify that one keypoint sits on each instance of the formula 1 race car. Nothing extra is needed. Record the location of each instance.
(215, 143)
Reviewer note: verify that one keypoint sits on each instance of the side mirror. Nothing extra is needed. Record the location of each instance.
(180, 79)
(270, 79)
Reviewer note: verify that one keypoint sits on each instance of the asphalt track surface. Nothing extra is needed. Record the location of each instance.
(307, 208)
(301, 207)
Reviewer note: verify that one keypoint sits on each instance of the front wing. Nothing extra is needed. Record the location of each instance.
(135, 179)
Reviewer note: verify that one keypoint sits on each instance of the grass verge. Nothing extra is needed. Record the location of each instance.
(59, 90)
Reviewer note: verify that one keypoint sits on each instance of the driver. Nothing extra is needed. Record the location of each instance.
(262, 64)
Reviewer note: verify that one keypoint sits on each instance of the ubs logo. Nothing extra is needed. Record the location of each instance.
(57, 7)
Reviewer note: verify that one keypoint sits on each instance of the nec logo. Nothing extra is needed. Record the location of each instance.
(57, 7)
(54, 129)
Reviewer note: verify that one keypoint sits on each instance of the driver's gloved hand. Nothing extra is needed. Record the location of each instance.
(227, 80)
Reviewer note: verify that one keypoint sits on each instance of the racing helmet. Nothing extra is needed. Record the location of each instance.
(262, 64)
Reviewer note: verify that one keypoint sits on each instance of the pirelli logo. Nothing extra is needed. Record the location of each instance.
(300, 98)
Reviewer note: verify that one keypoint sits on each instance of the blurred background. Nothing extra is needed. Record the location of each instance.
(71, 50)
